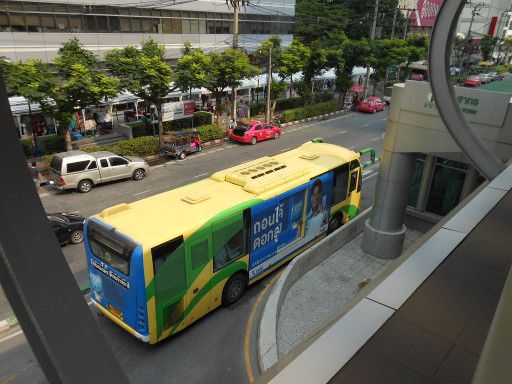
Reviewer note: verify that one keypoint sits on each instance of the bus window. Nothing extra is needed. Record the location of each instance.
(340, 184)
(110, 248)
(353, 180)
(229, 239)
(199, 254)
(169, 267)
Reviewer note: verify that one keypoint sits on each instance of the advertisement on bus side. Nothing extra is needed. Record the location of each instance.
(282, 225)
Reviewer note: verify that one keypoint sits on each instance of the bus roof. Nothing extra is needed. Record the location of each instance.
(163, 217)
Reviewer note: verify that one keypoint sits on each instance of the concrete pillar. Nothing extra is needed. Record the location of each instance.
(384, 232)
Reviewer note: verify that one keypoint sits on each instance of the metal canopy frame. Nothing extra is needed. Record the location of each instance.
(440, 79)
(37, 281)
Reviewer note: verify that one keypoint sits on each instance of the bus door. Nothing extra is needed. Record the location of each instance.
(199, 273)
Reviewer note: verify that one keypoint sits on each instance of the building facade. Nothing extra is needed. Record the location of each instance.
(483, 18)
(36, 29)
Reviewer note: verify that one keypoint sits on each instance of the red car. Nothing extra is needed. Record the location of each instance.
(473, 81)
(371, 104)
(255, 131)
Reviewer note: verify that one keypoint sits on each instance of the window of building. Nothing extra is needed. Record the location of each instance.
(210, 26)
(202, 26)
(4, 23)
(136, 25)
(176, 26)
(114, 24)
(101, 24)
(62, 23)
(147, 25)
(75, 22)
(33, 23)
(194, 26)
(446, 186)
(89, 23)
(17, 22)
(414, 189)
(167, 25)
(125, 24)
(185, 26)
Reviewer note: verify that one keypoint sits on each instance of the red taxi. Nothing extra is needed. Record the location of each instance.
(473, 81)
(255, 131)
(372, 104)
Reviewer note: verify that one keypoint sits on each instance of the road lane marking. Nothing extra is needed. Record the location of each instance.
(141, 193)
(370, 176)
(8, 380)
(248, 328)
(17, 333)
(376, 139)
(201, 175)
(366, 125)
(286, 149)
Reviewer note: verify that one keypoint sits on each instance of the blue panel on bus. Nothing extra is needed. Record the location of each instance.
(278, 228)
(122, 295)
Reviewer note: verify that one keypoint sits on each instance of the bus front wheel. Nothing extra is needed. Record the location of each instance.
(234, 288)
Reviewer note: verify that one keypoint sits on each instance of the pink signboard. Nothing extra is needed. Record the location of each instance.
(425, 13)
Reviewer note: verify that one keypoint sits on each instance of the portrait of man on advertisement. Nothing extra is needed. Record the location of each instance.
(316, 219)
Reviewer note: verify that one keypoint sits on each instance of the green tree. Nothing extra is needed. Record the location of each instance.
(276, 88)
(83, 84)
(227, 69)
(506, 48)
(318, 61)
(388, 52)
(292, 60)
(354, 54)
(417, 46)
(33, 81)
(71, 53)
(487, 44)
(143, 73)
(191, 69)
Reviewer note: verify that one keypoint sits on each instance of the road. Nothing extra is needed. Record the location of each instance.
(218, 348)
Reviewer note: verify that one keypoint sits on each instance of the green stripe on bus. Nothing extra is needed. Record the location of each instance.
(350, 210)
(224, 273)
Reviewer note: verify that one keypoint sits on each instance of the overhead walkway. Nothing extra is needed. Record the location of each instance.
(427, 317)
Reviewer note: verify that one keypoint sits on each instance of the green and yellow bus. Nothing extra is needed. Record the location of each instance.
(159, 264)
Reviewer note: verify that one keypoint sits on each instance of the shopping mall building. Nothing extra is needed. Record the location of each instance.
(36, 29)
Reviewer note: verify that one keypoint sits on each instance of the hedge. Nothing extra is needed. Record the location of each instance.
(210, 132)
(52, 143)
(309, 111)
(28, 147)
(140, 146)
(98, 148)
(139, 128)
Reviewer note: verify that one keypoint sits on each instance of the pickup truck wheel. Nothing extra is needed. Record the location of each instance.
(181, 156)
(138, 174)
(84, 186)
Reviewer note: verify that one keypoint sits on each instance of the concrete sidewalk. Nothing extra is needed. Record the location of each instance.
(317, 284)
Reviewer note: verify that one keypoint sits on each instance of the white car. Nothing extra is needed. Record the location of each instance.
(485, 77)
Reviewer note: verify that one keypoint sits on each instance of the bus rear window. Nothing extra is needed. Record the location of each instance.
(110, 248)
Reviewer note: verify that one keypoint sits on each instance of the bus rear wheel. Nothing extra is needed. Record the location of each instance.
(234, 288)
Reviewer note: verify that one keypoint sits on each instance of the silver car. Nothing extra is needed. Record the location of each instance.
(485, 77)
(81, 171)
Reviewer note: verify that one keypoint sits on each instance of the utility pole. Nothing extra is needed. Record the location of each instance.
(372, 38)
(269, 83)
(394, 23)
(406, 23)
(236, 10)
(474, 12)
